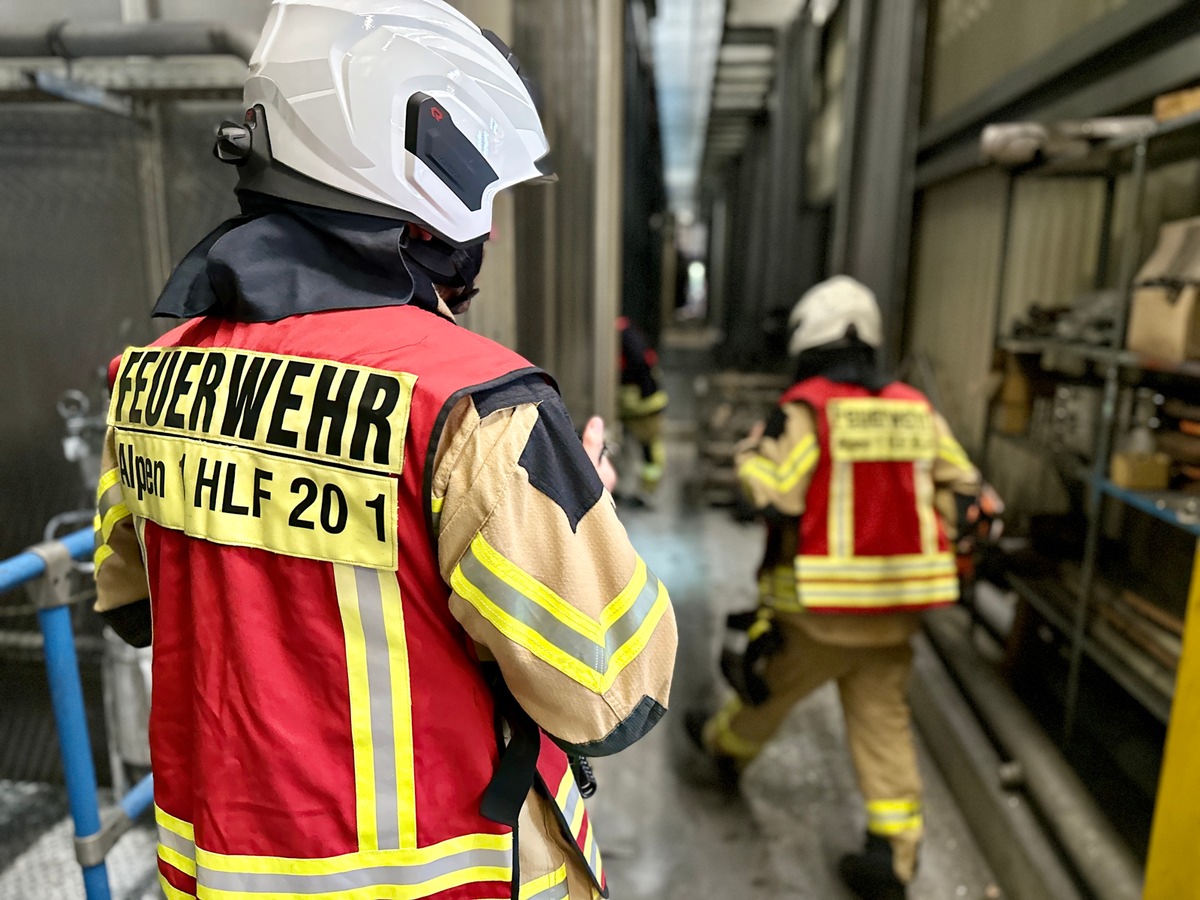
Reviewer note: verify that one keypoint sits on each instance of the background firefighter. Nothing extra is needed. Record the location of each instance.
(643, 403)
(857, 478)
(386, 587)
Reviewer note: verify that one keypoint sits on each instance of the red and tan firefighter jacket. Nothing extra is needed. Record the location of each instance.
(343, 521)
(862, 486)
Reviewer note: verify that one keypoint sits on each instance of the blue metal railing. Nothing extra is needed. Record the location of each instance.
(48, 565)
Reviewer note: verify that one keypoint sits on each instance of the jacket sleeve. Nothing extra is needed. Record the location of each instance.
(954, 476)
(776, 471)
(122, 591)
(543, 576)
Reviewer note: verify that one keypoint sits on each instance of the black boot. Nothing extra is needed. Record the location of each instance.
(729, 774)
(870, 874)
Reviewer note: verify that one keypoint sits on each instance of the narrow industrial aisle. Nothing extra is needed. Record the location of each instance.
(668, 832)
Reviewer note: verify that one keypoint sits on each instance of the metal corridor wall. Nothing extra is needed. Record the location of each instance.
(74, 263)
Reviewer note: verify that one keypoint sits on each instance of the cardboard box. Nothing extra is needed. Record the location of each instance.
(1141, 471)
(1014, 388)
(1012, 418)
(1177, 104)
(1164, 321)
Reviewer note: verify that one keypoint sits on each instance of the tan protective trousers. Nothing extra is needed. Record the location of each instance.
(873, 683)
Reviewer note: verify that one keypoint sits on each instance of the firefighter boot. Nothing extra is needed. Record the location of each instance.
(870, 874)
(729, 774)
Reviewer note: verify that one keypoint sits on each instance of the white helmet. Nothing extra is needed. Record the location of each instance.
(826, 314)
(395, 108)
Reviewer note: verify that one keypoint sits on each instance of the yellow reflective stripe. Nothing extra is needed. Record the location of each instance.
(878, 589)
(170, 891)
(175, 826)
(786, 476)
(899, 826)
(841, 510)
(526, 584)
(112, 519)
(176, 859)
(950, 451)
(382, 732)
(634, 406)
(727, 740)
(350, 862)
(941, 591)
(360, 706)
(530, 614)
(436, 505)
(926, 514)
(873, 567)
(893, 807)
(402, 726)
(381, 888)
(590, 852)
(108, 481)
(892, 817)
(102, 556)
(544, 888)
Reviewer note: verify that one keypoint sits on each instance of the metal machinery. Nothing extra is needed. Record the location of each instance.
(49, 568)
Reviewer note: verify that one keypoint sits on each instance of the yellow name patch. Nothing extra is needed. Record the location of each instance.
(872, 430)
(323, 410)
(243, 498)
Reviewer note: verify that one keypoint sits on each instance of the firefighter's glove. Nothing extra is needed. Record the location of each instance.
(745, 669)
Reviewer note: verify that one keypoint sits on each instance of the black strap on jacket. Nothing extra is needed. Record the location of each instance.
(510, 786)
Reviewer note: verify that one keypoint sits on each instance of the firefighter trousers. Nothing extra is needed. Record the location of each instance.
(873, 684)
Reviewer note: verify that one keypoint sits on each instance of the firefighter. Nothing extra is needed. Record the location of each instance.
(391, 605)
(857, 478)
(643, 403)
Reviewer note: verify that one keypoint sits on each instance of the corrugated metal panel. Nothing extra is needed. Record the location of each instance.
(978, 42)
(199, 189)
(72, 249)
(954, 287)
(1172, 193)
(250, 14)
(555, 224)
(73, 287)
(23, 14)
(1054, 245)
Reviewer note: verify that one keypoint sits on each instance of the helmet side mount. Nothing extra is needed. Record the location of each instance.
(248, 147)
(432, 137)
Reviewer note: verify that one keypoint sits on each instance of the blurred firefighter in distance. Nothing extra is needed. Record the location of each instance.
(643, 405)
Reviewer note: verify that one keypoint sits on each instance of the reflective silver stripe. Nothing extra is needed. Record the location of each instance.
(572, 805)
(383, 725)
(545, 623)
(180, 845)
(594, 860)
(110, 498)
(358, 879)
(555, 892)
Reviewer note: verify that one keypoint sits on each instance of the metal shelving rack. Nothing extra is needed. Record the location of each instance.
(1135, 155)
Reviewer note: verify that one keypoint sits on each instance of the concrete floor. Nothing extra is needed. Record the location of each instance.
(668, 833)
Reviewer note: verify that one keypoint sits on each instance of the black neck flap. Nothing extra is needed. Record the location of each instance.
(282, 259)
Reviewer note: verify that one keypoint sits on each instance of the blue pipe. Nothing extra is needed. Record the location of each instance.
(66, 694)
(140, 799)
(27, 566)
